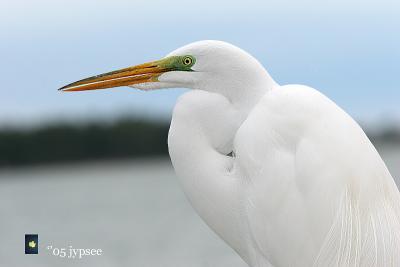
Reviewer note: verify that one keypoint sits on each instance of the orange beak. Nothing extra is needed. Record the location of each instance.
(143, 73)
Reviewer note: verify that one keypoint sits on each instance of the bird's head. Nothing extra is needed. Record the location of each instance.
(206, 65)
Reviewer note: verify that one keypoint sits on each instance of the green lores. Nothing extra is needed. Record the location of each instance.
(178, 63)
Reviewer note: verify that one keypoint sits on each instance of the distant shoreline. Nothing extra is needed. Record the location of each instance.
(124, 139)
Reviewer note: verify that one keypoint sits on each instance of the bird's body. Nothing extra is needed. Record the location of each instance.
(305, 186)
(281, 173)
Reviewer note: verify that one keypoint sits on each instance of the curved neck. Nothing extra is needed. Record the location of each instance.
(242, 97)
(202, 122)
(243, 86)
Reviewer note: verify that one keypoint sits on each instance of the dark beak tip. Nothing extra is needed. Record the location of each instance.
(64, 88)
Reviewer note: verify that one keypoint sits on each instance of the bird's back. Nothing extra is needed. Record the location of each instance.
(316, 192)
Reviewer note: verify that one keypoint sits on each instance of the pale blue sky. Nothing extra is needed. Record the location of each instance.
(349, 50)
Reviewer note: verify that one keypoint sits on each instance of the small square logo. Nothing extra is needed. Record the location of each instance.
(31, 244)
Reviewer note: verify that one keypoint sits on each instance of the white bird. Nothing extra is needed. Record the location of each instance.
(280, 173)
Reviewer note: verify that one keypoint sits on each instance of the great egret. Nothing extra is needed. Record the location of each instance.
(281, 173)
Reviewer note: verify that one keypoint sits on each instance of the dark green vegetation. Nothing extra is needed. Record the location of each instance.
(61, 143)
(390, 136)
(126, 138)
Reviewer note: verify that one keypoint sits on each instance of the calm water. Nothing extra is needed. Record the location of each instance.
(134, 211)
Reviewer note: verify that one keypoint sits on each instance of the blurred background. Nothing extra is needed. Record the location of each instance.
(91, 169)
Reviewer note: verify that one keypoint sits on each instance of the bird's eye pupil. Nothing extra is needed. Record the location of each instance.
(187, 61)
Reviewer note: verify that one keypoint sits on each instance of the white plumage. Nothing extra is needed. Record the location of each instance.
(305, 186)
(281, 173)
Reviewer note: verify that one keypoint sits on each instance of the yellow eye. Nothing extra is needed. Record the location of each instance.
(187, 61)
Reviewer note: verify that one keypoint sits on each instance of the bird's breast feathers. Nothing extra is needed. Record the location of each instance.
(312, 178)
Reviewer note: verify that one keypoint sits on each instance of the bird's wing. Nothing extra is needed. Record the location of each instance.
(317, 191)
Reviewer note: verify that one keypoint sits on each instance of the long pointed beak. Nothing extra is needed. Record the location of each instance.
(147, 72)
